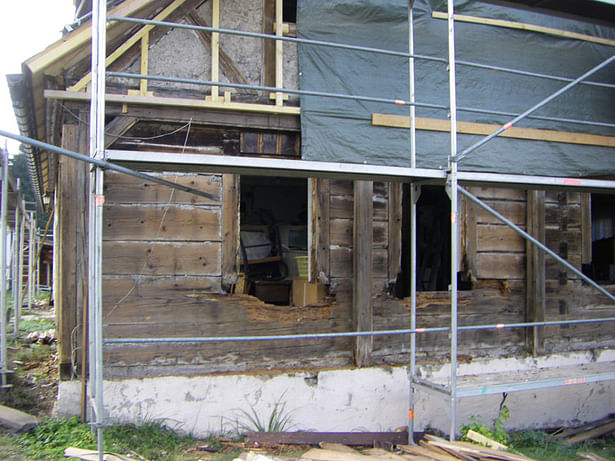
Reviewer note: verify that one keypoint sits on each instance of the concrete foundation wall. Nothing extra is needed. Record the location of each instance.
(369, 399)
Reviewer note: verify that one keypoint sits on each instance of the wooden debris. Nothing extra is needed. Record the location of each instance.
(426, 453)
(465, 450)
(254, 456)
(480, 438)
(92, 455)
(337, 447)
(591, 457)
(318, 454)
(587, 431)
(16, 420)
(366, 439)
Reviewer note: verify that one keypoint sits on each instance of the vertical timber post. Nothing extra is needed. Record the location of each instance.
(362, 270)
(535, 273)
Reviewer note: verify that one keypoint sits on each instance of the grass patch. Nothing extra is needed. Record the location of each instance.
(539, 445)
(151, 440)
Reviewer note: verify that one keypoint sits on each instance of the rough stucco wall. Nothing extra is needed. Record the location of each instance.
(181, 53)
(367, 399)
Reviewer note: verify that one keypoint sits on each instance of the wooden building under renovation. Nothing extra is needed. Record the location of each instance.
(278, 251)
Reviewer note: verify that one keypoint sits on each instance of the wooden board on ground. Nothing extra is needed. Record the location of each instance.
(92, 455)
(314, 438)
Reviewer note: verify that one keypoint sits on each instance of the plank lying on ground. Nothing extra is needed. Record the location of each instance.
(591, 434)
(16, 420)
(469, 449)
(569, 432)
(92, 455)
(318, 454)
(591, 457)
(426, 453)
(314, 438)
(480, 438)
(337, 447)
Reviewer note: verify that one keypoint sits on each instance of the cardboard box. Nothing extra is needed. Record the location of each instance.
(305, 293)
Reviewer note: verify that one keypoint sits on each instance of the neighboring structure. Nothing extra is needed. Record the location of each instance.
(274, 255)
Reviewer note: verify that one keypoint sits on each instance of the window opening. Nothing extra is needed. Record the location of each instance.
(289, 11)
(273, 236)
(602, 266)
(433, 240)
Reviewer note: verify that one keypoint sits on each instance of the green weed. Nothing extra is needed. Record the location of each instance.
(495, 432)
(151, 440)
(279, 420)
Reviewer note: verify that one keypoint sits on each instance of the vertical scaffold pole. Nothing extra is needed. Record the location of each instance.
(453, 194)
(15, 287)
(19, 300)
(413, 200)
(3, 287)
(96, 201)
(31, 256)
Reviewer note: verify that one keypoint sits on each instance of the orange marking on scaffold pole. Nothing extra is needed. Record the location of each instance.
(571, 181)
(420, 330)
(453, 218)
(400, 102)
(499, 325)
(507, 126)
(411, 414)
(99, 200)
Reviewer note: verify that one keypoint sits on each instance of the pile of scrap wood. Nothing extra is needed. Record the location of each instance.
(430, 448)
(588, 431)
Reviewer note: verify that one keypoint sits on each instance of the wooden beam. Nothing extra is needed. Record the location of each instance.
(395, 224)
(269, 45)
(230, 229)
(319, 223)
(535, 272)
(83, 83)
(484, 129)
(313, 438)
(79, 37)
(178, 102)
(362, 260)
(116, 128)
(71, 241)
(527, 27)
(279, 52)
(144, 62)
(586, 228)
(215, 48)
(227, 64)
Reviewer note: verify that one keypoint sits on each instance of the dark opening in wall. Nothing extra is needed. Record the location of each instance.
(290, 11)
(274, 241)
(433, 239)
(602, 266)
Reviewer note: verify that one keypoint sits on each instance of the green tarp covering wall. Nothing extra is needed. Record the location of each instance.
(336, 130)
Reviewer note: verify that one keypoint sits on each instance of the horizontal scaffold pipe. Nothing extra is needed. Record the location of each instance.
(213, 339)
(273, 89)
(531, 239)
(345, 46)
(397, 102)
(104, 164)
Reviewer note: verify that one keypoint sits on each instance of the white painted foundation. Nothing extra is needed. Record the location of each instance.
(369, 399)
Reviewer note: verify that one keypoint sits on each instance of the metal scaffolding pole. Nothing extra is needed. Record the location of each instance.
(31, 252)
(19, 299)
(96, 201)
(3, 287)
(413, 199)
(452, 192)
(15, 287)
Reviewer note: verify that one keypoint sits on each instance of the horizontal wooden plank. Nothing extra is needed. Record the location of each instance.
(345, 187)
(341, 233)
(313, 438)
(499, 238)
(498, 193)
(514, 211)
(562, 216)
(484, 129)
(526, 27)
(161, 258)
(500, 266)
(121, 188)
(175, 222)
(341, 262)
(341, 206)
